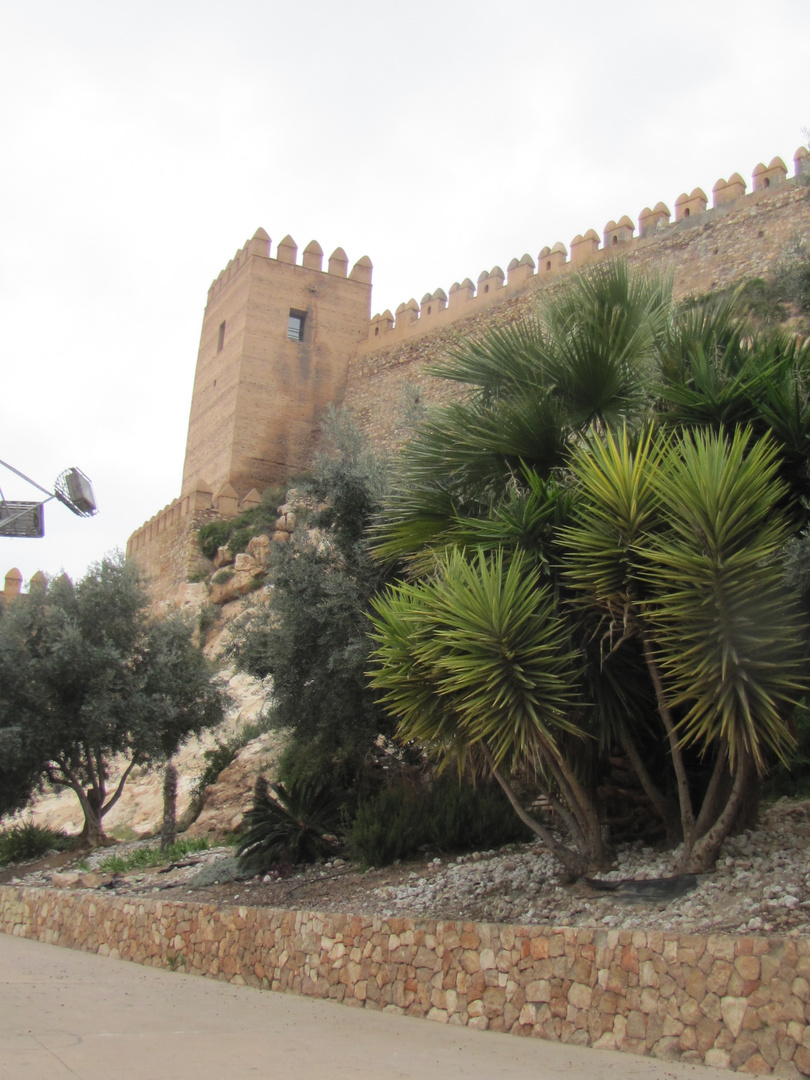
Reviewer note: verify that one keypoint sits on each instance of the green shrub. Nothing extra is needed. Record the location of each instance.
(207, 618)
(221, 576)
(792, 272)
(21, 843)
(400, 820)
(295, 824)
(466, 818)
(348, 762)
(236, 534)
(273, 497)
(793, 779)
(216, 759)
(240, 538)
(213, 535)
(761, 300)
(389, 827)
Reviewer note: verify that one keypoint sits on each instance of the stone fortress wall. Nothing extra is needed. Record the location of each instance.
(281, 340)
(728, 1001)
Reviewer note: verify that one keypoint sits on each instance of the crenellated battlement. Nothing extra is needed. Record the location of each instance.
(287, 253)
(12, 587)
(166, 544)
(226, 503)
(493, 286)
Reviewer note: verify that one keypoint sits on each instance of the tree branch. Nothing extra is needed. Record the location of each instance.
(125, 776)
(573, 861)
(660, 802)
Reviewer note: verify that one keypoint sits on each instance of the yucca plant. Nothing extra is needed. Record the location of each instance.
(726, 632)
(675, 544)
(26, 841)
(295, 824)
(476, 664)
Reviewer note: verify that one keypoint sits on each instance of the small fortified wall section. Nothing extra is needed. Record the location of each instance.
(728, 1001)
(12, 587)
(707, 248)
(166, 545)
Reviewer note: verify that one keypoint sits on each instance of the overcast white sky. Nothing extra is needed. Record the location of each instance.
(143, 143)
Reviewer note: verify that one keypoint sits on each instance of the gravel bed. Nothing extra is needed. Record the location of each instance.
(761, 884)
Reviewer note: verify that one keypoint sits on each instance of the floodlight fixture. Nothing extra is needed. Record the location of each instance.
(74, 489)
(27, 519)
(22, 519)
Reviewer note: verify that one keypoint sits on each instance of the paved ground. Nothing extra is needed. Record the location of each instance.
(66, 1014)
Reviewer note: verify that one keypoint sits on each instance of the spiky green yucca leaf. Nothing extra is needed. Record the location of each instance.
(718, 374)
(617, 504)
(711, 331)
(527, 519)
(726, 633)
(484, 642)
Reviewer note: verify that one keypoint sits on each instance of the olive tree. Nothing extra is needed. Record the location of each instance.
(87, 676)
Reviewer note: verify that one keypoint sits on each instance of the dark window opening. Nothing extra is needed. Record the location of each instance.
(295, 325)
(767, 182)
(430, 310)
(376, 330)
(486, 288)
(615, 240)
(686, 212)
(548, 266)
(221, 338)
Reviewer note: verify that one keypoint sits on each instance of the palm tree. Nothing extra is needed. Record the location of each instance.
(533, 387)
(717, 373)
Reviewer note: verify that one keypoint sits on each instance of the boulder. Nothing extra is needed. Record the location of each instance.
(259, 548)
(223, 557)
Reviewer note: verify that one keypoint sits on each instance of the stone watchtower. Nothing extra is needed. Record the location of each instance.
(274, 352)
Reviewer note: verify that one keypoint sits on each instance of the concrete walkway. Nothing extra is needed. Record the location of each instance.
(66, 1014)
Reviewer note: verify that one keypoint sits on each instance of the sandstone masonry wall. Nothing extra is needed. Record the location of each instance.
(166, 546)
(276, 338)
(740, 1003)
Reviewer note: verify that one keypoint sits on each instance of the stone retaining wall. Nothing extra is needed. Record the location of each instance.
(737, 1003)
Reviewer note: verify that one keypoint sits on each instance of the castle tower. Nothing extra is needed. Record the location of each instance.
(274, 351)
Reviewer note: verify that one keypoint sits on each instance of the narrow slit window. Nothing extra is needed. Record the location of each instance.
(295, 325)
(221, 338)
